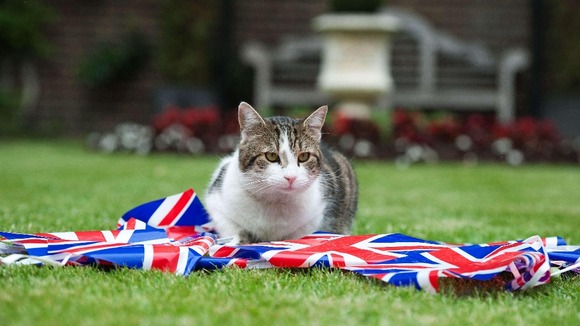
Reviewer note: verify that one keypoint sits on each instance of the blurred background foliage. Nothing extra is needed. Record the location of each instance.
(21, 29)
(114, 62)
(9, 119)
(563, 42)
(187, 49)
(195, 49)
(22, 38)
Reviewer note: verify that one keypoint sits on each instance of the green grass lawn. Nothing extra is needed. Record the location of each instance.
(60, 186)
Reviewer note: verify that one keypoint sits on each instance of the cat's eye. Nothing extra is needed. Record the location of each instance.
(272, 157)
(303, 157)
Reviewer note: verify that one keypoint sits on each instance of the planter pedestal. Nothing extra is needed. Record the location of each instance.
(356, 59)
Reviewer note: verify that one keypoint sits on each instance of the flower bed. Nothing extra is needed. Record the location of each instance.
(189, 130)
(420, 137)
(408, 137)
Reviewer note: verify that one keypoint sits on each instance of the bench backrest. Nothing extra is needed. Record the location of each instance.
(422, 58)
(430, 69)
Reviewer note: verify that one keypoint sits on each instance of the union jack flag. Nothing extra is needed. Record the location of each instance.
(184, 209)
(175, 234)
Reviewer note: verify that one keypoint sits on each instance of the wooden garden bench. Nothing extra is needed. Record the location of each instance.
(431, 70)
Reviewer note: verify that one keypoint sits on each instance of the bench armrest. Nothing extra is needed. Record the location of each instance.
(512, 62)
(260, 58)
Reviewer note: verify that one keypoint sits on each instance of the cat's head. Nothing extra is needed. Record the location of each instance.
(279, 155)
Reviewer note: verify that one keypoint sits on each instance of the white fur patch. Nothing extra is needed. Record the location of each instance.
(261, 205)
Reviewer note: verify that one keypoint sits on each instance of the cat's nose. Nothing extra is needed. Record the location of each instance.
(290, 179)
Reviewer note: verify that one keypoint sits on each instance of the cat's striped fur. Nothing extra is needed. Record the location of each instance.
(281, 182)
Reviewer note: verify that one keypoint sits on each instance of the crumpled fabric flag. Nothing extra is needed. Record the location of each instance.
(175, 234)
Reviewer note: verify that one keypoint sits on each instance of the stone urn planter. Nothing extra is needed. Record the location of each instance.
(356, 59)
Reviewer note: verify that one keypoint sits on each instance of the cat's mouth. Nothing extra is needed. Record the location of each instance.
(289, 188)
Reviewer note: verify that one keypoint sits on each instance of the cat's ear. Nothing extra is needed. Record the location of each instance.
(315, 121)
(248, 117)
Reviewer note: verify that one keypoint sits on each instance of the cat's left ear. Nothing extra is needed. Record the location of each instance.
(315, 121)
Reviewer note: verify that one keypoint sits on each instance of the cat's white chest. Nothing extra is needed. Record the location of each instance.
(276, 217)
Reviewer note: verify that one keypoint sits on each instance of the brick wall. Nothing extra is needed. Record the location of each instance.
(65, 105)
(495, 23)
(69, 108)
(269, 20)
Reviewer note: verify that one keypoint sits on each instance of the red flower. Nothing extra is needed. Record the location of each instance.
(169, 116)
(342, 124)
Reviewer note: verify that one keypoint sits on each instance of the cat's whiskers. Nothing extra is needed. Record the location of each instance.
(341, 170)
(253, 184)
(327, 182)
(257, 186)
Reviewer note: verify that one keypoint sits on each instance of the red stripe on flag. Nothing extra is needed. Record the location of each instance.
(96, 236)
(179, 206)
(179, 232)
(337, 260)
(131, 224)
(91, 247)
(165, 258)
(240, 262)
(434, 280)
(47, 235)
(224, 252)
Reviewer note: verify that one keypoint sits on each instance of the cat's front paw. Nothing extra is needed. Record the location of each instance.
(246, 237)
(232, 241)
(243, 237)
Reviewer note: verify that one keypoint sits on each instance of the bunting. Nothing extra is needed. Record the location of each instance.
(175, 235)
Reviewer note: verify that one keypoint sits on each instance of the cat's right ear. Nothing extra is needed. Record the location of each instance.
(248, 117)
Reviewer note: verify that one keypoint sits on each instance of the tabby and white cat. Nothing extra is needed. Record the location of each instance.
(281, 182)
